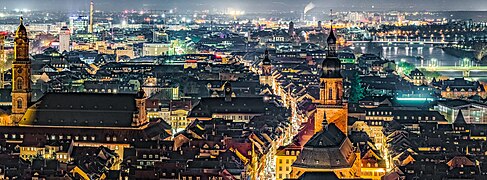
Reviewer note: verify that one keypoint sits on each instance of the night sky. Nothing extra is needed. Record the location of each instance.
(257, 5)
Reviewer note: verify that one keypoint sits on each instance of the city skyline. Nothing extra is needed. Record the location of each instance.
(253, 5)
(250, 90)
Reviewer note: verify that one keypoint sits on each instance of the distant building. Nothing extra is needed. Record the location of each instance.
(156, 49)
(64, 39)
(79, 24)
(417, 77)
(460, 88)
(473, 112)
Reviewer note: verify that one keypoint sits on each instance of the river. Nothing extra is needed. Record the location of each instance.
(410, 53)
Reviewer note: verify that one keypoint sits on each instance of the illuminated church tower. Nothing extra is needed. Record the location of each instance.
(21, 88)
(265, 77)
(331, 100)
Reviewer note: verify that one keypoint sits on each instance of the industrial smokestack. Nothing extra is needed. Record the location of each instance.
(90, 29)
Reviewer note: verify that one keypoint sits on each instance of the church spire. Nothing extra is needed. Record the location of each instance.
(331, 40)
(331, 65)
(21, 30)
(266, 60)
(325, 122)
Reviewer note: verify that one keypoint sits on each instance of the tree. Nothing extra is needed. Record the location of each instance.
(406, 67)
(356, 89)
(431, 74)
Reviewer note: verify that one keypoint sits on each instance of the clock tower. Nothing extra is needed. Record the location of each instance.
(21, 87)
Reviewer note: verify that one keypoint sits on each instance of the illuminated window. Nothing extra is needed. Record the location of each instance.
(20, 82)
(19, 103)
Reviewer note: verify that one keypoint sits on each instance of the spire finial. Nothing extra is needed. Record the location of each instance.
(331, 15)
(331, 19)
(21, 20)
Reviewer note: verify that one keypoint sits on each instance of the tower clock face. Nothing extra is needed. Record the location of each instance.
(228, 89)
(19, 71)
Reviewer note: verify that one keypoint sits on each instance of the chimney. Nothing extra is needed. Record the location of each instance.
(90, 29)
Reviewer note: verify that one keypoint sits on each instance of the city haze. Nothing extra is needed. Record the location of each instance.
(253, 5)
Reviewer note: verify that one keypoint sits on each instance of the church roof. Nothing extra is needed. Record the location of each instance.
(331, 68)
(82, 109)
(327, 149)
(318, 176)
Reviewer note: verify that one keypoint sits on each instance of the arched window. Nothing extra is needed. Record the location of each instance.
(20, 83)
(19, 103)
(330, 94)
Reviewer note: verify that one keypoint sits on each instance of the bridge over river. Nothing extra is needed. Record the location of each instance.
(465, 66)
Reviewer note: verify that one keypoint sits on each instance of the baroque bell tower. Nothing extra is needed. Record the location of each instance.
(21, 72)
(331, 103)
(265, 77)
